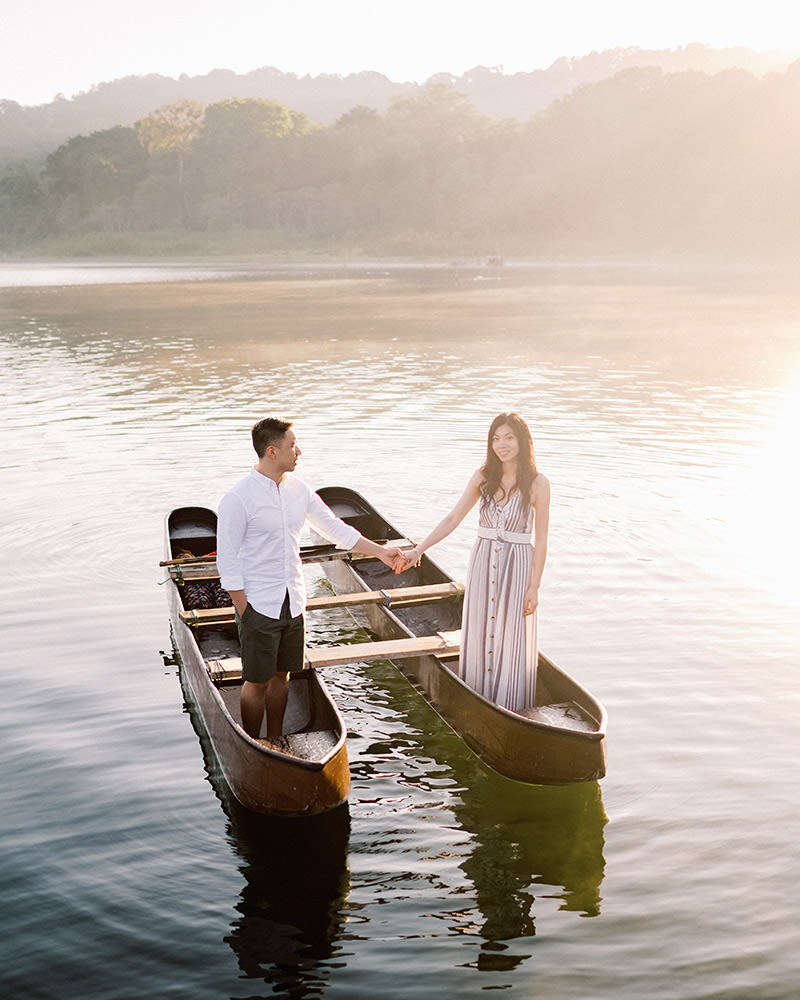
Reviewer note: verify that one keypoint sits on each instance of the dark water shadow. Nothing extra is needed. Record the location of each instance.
(296, 880)
(530, 842)
(291, 906)
(526, 841)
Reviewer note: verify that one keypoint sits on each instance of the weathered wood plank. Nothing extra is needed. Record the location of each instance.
(388, 649)
(208, 616)
(397, 595)
(394, 595)
(230, 668)
(191, 573)
(188, 561)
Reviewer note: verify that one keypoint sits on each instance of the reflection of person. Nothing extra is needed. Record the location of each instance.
(290, 915)
(258, 555)
(542, 841)
(499, 628)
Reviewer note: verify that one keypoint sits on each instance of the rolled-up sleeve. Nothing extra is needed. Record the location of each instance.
(231, 527)
(343, 536)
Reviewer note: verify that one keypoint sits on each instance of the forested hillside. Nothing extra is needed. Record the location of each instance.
(642, 162)
(34, 132)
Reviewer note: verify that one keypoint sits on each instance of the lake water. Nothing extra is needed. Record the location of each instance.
(665, 405)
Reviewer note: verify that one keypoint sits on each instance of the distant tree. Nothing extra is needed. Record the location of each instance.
(91, 180)
(241, 123)
(168, 135)
(642, 161)
(242, 155)
(360, 118)
(438, 113)
(21, 199)
(354, 184)
(431, 139)
(172, 130)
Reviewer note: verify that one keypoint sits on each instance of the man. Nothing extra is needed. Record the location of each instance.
(258, 555)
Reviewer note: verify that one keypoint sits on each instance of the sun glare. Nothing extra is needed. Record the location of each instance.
(770, 501)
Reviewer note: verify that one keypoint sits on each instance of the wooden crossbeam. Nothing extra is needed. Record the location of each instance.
(388, 649)
(308, 554)
(191, 573)
(208, 616)
(229, 668)
(188, 561)
(305, 550)
(396, 596)
(325, 554)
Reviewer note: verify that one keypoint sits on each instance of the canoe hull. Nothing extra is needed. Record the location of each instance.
(261, 779)
(515, 746)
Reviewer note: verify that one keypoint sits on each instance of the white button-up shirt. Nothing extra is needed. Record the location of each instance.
(258, 539)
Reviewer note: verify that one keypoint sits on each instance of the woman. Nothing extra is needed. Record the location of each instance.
(499, 647)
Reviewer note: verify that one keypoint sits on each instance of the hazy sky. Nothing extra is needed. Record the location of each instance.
(67, 46)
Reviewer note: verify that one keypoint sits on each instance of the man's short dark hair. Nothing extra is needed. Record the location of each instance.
(267, 432)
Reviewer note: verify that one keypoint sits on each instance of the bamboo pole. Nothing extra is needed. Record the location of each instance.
(308, 553)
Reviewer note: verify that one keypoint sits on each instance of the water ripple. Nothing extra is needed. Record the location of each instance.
(661, 414)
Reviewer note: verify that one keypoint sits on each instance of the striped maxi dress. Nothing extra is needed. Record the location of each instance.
(499, 645)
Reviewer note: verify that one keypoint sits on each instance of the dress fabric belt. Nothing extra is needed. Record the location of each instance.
(498, 535)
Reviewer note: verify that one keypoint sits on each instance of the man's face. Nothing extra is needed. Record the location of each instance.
(287, 451)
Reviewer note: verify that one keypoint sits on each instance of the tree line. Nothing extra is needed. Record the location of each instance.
(644, 161)
(35, 131)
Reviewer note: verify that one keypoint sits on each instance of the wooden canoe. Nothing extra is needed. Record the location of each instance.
(314, 776)
(560, 741)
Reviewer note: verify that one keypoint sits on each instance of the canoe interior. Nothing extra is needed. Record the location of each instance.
(193, 528)
(311, 721)
(561, 703)
(354, 509)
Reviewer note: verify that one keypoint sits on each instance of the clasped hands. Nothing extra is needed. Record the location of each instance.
(406, 558)
(400, 559)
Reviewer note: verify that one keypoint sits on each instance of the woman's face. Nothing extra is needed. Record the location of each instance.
(505, 444)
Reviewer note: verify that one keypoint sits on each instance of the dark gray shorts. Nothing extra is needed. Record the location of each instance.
(270, 645)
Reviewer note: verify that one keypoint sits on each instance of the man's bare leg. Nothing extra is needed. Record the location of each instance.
(275, 699)
(271, 697)
(251, 704)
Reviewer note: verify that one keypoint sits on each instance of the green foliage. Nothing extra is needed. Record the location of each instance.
(168, 135)
(21, 198)
(642, 162)
(171, 129)
(244, 123)
(90, 181)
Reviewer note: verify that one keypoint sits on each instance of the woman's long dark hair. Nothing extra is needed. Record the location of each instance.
(526, 463)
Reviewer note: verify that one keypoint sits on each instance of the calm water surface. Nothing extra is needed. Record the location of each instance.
(665, 405)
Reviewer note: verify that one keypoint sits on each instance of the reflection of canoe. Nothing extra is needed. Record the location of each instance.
(523, 840)
(529, 836)
(561, 741)
(292, 904)
(311, 778)
(288, 913)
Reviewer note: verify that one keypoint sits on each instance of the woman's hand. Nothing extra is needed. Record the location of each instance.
(407, 557)
(390, 554)
(531, 600)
